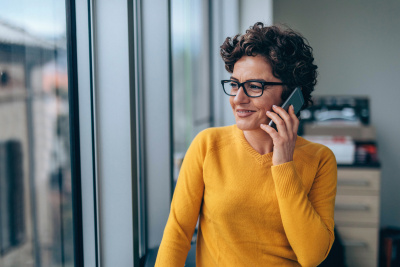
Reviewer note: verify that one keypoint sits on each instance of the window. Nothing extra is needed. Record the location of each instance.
(36, 204)
(190, 73)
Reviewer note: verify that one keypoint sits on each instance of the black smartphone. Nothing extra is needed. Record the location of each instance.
(296, 99)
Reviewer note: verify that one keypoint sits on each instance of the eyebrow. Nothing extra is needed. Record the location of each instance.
(250, 80)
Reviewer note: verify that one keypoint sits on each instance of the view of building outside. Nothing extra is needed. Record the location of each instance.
(36, 227)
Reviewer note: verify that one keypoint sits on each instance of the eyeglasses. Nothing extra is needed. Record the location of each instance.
(251, 88)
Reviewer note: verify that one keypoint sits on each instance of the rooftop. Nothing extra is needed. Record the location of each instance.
(14, 35)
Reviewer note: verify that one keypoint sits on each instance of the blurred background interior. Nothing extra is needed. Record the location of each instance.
(99, 102)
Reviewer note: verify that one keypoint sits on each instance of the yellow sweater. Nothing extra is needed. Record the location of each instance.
(251, 213)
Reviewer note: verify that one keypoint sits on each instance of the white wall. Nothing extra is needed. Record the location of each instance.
(252, 11)
(356, 46)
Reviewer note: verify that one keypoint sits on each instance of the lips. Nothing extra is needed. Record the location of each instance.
(244, 112)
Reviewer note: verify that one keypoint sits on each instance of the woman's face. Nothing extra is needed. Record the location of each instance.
(251, 112)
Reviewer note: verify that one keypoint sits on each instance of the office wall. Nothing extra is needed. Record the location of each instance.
(252, 11)
(356, 46)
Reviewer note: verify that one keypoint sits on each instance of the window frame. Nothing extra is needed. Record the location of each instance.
(75, 158)
(108, 136)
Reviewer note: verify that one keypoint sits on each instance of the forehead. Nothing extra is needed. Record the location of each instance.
(252, 67)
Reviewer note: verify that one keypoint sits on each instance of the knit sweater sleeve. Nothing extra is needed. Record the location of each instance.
(185, 207)
(308, 218)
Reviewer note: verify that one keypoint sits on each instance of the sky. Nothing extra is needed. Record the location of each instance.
(44, 18)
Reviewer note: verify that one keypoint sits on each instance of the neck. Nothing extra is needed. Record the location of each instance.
(259, 140)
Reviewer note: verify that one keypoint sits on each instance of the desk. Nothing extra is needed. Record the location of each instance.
(357, 214)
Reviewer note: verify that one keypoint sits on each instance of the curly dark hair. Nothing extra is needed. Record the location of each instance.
(287, 51)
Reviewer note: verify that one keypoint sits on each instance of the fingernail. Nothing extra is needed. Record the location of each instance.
(291, 106)
(274, 106)
(268, 111)
(262, 125)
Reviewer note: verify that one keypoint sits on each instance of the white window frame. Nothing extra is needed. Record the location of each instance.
(107, 112)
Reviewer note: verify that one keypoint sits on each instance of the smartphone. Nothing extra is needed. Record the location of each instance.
(296, 99)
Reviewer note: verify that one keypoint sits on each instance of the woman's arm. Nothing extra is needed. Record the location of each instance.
(185, 207)
(308, 219)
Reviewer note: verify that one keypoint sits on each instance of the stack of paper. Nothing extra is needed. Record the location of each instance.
(343, 147)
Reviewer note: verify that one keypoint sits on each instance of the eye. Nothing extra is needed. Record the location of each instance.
(255, 86)
(233, 85)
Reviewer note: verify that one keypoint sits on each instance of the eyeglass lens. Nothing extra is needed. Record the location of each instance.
(252, 88)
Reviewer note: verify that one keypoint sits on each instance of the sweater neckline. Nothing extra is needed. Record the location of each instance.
(262, 159)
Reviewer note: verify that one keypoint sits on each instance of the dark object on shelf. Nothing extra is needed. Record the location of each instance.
(366, 153)
(336, 257)
(389, 247)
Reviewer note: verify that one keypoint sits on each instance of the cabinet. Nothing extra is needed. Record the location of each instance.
(357, 214)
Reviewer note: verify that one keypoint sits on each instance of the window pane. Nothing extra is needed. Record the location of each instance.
(36, 226)
(190, 73)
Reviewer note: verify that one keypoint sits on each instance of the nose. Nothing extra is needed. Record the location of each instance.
(241, 97)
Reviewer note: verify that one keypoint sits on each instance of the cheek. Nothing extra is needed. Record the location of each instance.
(262, 110)
(265, 112)
(231, 101)
(265, 105)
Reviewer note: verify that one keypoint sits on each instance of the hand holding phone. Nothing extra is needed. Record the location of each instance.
(296, 99)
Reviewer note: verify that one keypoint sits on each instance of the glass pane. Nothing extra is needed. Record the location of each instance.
(190, 73)
(35, 175)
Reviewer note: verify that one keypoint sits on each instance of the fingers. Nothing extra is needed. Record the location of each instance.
(279, 122)
(271, 131)
(295, 120)
(287, 122)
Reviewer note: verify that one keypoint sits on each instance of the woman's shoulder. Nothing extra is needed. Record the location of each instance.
(215, 136)
(313, 150)
(215, 132)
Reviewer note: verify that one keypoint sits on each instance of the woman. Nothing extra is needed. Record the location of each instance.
(265, 197)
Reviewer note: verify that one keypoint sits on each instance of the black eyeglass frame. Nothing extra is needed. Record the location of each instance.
(244, 89)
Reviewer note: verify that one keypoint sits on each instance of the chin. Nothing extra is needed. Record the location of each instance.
(247, 126)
